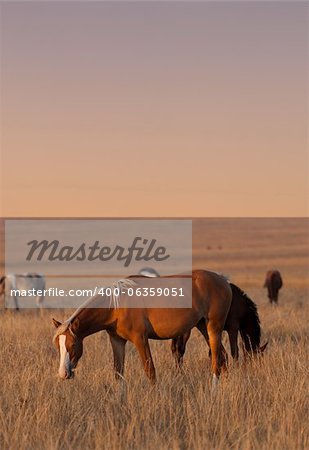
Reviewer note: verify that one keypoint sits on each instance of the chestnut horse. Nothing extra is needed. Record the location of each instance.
(211, 301)
(273, 283)
(242, 317)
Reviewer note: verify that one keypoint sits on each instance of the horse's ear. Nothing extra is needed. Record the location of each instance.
(263, 347)
(56, 323)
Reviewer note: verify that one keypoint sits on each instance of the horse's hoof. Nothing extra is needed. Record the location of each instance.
(214, 384)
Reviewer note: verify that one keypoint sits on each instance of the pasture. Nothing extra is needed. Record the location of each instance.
(259, 405)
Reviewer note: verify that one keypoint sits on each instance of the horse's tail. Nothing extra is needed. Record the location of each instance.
(249, 326)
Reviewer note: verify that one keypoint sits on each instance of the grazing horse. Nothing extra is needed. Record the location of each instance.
(12, 285)
(211, 301)
(273, 283)
(242, 317)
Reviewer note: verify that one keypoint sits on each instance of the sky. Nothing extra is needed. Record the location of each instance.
(154, 109)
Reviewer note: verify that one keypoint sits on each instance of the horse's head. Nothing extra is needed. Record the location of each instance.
(70, 348)
(257, 351)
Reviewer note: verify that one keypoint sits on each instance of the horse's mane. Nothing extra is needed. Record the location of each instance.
(122, 285)
(250, 327)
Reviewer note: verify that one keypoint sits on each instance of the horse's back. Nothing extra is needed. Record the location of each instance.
(211, 300)
(28, 281)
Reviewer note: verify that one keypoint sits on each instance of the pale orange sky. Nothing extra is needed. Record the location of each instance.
(154, 109)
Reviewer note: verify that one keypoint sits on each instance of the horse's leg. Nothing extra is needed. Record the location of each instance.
(246, 344)
(233, 333)
(15, 297)
(143, 348)
(178, 347)
(118, 346)
(269, 295)
(201, 326)
(39, 302)
(218, 353)
(174, 349)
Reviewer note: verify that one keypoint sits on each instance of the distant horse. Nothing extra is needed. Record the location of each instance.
(242, 317)
(211, 301)
(12, 285)
(273, 283)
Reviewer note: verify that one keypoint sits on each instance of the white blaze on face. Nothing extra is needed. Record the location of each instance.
(64, 367)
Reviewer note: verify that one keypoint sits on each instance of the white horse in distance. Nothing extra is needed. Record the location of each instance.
(11, 286)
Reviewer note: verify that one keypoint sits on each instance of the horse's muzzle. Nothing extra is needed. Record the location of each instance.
(67, 375)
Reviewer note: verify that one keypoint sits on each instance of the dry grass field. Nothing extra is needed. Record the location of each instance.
(259, 405)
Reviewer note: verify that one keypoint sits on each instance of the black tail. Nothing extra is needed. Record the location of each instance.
(250, 328)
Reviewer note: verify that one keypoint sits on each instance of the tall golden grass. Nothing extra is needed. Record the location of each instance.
(259, 405)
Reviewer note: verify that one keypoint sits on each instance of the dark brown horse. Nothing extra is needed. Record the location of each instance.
(243, 318)
(273, 283)
(211, 301)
